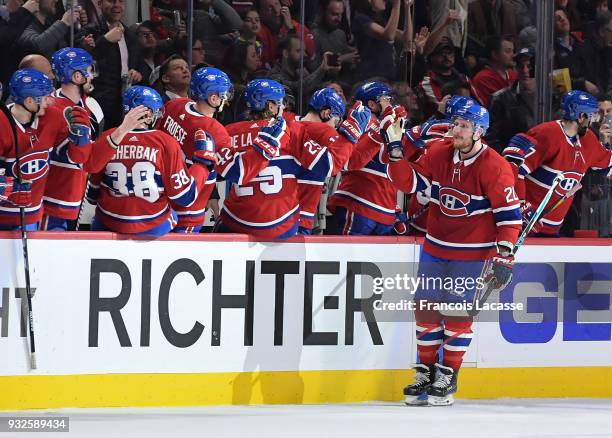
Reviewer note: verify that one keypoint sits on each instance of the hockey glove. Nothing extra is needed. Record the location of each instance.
(517, 149)
(356, 122)
(269, 139)
(400, 227)
(15, 193)
(204, 151)
(500, 272)
(527, 211)
(392, 131)
(79, 131)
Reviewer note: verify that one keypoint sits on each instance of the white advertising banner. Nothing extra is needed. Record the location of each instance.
(181, 306)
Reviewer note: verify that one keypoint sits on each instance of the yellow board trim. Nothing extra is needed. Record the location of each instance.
(286, 387)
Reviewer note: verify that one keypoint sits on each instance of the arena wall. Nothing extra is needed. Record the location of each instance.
(224, 319)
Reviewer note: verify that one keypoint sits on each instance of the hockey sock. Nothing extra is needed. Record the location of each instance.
(457, 339)
(429, 335)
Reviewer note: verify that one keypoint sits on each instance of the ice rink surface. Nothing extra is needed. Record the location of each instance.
(524, 418)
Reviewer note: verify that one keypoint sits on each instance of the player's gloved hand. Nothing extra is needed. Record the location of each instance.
(79, 130)
(392, 131)
(499, 273)
(527, 211)
(15, 193)
(355, 123)
(517, 149)
(269, 138)
(204, 151)
(400, 227)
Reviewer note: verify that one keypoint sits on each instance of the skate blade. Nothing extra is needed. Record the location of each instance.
(416, 400)
(441, 401)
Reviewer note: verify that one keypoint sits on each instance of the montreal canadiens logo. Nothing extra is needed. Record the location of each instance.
(453, 203)
(569, 181)
(33, 166)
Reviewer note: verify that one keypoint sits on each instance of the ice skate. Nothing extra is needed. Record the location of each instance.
(416, 393)
(440, 392)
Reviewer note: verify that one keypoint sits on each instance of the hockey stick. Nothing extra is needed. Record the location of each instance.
(479, 298)
(24, 240)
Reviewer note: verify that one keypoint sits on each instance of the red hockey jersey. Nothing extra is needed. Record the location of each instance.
(66, 183)
(181, 120)
(340, 149)
(146, 171)
(365, 188)
(264, 199)
(473, 203)
(36, 142)
(553, 153)
(421, 136)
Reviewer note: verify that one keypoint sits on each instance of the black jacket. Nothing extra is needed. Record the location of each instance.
(108, 84)
(108, 58)
(10, 31)
(509, 115)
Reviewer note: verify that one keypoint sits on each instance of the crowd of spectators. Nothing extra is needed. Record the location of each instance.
(425, 49)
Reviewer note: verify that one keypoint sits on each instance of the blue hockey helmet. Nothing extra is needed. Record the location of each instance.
(207, 81)
(260, 91)
(29, 83)
(577, 102)
(65, 62)
(328, 98)
(148, 97)
(455, 103)
(372, 91)
(478, 115)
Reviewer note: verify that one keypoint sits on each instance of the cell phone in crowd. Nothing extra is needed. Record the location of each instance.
(332, 60)
(177, 18)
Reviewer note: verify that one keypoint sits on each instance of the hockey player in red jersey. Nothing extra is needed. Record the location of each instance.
(365, 201)
(147, 171)
(474, 215)
(560, 147)
(74, 69)
(36, 124)
(324, 124)
(264, 164)
(186, 120)
(420, 137)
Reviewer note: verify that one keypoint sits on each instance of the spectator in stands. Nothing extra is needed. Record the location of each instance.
(276, 25)
(147, 39)
(406, 97)
(512, 109)
(287, 70)
(597, 53)
(487, 18)
(116, 52)
(525, 12)
(498, 73)
(329, 37)
(37, 62)
(251, 26)
(442, 71)
(175, 76)
(14, 22)
(241, 62)
(448, 19)
(212, 21)
(198, 53)
(571, 11)
(374, 37)
(569, 53)
(45, 34)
